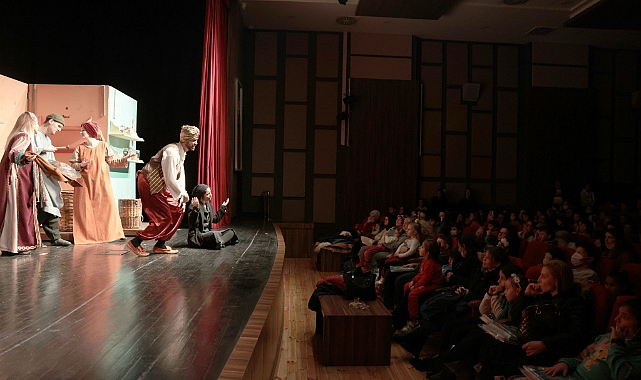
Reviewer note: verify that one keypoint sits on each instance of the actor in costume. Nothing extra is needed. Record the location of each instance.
(161, 186)
(49, 209)
(201, 217)
(95, 214)
(19, 230)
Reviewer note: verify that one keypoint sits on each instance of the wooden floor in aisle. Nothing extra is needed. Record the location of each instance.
(300, 349)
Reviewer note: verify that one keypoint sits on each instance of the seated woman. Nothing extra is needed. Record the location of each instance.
(201, 217)
(406, 250)
(616, 355)
(546, 342)
(392, 238)
(471, 345)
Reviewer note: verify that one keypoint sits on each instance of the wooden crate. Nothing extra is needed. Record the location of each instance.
(66, 212)
(353, 336)
(330, 259)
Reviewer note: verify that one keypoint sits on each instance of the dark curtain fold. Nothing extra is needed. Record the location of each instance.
(383, 158)
(213, 154)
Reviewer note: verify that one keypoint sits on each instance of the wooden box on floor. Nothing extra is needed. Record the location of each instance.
(353, 336)
(330, 259)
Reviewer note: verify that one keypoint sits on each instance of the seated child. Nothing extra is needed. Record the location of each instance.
(201, 217)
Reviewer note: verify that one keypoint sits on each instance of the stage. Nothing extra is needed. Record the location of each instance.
(99, 312)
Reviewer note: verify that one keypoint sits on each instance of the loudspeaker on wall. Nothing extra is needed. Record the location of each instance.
(471, 92)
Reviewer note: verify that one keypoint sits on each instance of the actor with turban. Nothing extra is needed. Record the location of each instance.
(161, 186)
(49, 208)
(95, 213)
(19, 231)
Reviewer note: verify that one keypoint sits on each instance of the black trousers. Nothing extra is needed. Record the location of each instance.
(50, 224)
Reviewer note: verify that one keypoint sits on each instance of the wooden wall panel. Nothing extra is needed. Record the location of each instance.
(483, 193)
(296, 79)
(428, 189)
(508, 66)
(263, 150)
(327, 55)
(260, 184)
(293, 174)
(483, 54)
(432, 78)
(265, 102)
(432, 132)
(482, 137)
(482, 167)
(505, 194)
(295, 126)
(507, 113)
(325, 152)
(430, 166)
(324, 200)
(486, 95)
(456, 156)
(294, 211)
(380, 68)
(506, 158)
(454, 191)
(266, 52)
(397, 45)
(456, 115)
(296, 43)
(326, 103)
(456, 63)
(431, 52)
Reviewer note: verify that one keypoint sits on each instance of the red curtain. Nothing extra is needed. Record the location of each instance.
(213, 155)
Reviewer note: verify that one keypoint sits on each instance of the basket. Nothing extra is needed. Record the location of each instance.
(130, 213)
(66, 212)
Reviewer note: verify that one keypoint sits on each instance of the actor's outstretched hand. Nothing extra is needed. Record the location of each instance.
(194, 202)
(226, 202)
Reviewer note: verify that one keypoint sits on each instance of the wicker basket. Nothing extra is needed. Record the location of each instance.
(130, 213)
(66, 212)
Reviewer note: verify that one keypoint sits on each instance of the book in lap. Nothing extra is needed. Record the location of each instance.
(504, 333)
(533, 372)
(400, 268)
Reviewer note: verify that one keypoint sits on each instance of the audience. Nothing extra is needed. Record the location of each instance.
(466, 255)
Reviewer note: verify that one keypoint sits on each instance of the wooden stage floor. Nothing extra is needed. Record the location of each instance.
(98, 312)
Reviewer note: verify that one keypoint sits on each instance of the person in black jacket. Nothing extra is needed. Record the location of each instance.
(201, 217)
(545, 342)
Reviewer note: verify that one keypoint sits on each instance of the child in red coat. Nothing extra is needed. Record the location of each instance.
(427, 280)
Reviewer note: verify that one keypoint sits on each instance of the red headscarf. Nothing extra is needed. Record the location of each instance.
(91, 128)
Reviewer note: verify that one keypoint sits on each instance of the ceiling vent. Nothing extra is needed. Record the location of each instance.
(514, 2)
(346, 20)
(540, 31)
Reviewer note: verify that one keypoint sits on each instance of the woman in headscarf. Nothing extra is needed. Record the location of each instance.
(201, 217)
(19, 230)
(95, 213)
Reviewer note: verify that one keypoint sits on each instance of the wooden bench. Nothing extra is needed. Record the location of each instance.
(352, 336)
(329, 259)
